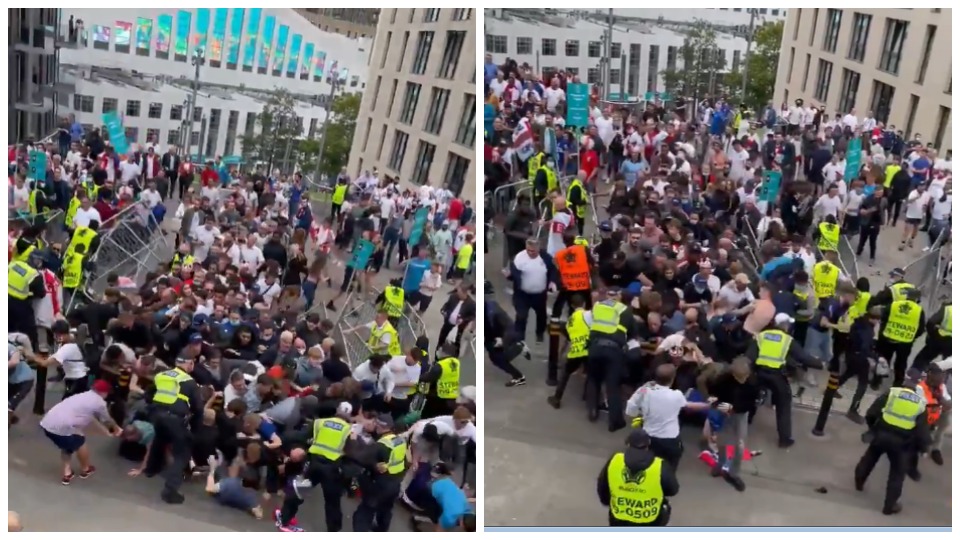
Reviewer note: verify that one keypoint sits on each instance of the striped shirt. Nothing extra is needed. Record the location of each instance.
(72, 415)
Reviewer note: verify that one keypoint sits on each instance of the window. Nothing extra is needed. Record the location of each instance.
(548, 72)
(548, 47)
(775, 12)
(153, 136)
(451, 54)
(572, 70)
(195, 138)
(421, 169)
(155, 110)
(653, 68)
(736, 62)
(912, 113)
(572, 47)
(83, 103)
(462, 14)
(467, 127)
(796, 25)
(403, 51)
(671, 58)
(813, 27)
(197, 114)
(848, 91)
(593, 49)
(894, 36)
(173, 137)
(806, 74)
(431, 15)
(439, 98)
(593, 76)
(424, 42)
(824, 72)
(110, 104)
(927, 46)
(834, 18)
(455, 173)
(383, 58)
(614, 76)
(393, 98)
(943, 118)
(176, 112)
(496, 44)
(858, 36)
(763, 11)
(410, 99)
(615, 49)
(524, 45)
(881, 101)
(249, 125)
(400, 140)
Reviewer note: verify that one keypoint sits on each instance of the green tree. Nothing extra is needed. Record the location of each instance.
(760, 66)
(343, 122)
(701, 71)
(279, 133)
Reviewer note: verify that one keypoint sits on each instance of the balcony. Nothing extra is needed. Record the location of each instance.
(62, 89)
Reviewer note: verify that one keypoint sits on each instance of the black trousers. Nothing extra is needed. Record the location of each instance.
(569, 368)
(500, 358)
(800, 331)
(522, 304)
(669, 450)
(445, 330)
(376, 507)
(840, 341)
(868, 233)
(563, 299)
(859, 367)
(885, 444)
(776, 382)
(325, 474)
(897, 354)
(605, 365)
(933, 348)
(172, 432)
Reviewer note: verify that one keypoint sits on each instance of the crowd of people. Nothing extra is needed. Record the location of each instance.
(228, 365)
(668, 300)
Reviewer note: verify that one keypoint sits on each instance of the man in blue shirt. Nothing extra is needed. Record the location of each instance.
(489, 69)
(413, 275)
(20, 376)
(449, 509)
(919, 169)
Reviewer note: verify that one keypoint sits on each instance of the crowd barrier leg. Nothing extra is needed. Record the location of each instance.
(553, 358)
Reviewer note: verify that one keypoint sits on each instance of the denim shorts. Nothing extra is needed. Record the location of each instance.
(68, 444)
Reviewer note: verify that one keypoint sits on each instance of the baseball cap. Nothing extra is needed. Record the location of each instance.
(638, 439)
(200, 319)
(728, 318)
(195, 339)
(385, 421)
(783, 318)
(742, 279)
(699, 281)
(101, 386)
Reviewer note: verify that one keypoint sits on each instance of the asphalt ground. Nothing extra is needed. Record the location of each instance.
(541, 464)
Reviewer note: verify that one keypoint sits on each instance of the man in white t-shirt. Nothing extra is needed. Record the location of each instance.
(130, 170)
(406, 375)
(738, 157)
(917, 202)
(251, 256)
(833, 171)
(497, 85)
(86, 214)
(829, 204)
(554, 95)
(850, 120)
(151, 196)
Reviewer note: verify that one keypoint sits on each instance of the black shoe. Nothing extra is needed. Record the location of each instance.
(914, 475)
(554, 402)
(716, 471)
(552, 382)
(172, 497)
(603, 407)
(895, 509)
(858, 484)
(836, 395)
(786, 443)
(937, 457)
(540, 339)
(734, 481)
(330, 306)
(855, 417)
(593, 414)
(616, 426)
(517, 382)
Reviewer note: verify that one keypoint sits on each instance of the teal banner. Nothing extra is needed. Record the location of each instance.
(578, 104)
(489, 115)
(118, 136)
(38, 165)
(361, 255)
(771, 186)
(854, 149)
(419, 223)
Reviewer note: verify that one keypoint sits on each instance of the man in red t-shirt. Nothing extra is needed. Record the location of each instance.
(455, 210)
(209, 176)
(589, 161)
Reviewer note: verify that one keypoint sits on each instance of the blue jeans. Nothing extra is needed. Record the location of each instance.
(818, 344)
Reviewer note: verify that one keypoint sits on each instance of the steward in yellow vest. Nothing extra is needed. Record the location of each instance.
(896, 290)
(85, 236)
(384, 338)
(464, 257)
(577, 200)
(826, 275)
(391, 301)
(533, 166)
(578, 336)
(546, 180)
(939, 334)
(635, 484)
(444, 380)
(176, 403)
(828, 235)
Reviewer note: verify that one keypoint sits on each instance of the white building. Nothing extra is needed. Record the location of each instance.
(640, 51)
(138, 62)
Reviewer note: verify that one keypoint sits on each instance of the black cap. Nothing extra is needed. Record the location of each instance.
(638, 439)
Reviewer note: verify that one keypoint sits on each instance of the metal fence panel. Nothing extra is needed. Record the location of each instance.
(929, 273)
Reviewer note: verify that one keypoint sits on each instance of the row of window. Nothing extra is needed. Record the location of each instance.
(432, 15)
(760, 11)
(439, 99)
(455, 171)
(548, 46)
(452, 50)
(894, 40)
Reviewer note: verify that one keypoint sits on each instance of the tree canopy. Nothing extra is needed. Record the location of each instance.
(343, 122)
(702, 66)
(761, 67)
(279, 128)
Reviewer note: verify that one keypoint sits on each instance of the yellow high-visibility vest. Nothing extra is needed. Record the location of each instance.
(329, 438)
(448, 386)
(635, 498)
(903, 322)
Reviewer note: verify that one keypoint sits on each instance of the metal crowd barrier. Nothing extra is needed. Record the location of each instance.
(53, 225)
(131, 245)
(929, 272)
(360, 311)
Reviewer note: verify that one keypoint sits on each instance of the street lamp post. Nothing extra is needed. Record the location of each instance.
(746, 57)
(334, 85)
(198, 59)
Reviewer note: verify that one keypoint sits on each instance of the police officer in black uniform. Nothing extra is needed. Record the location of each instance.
(898, 426)
(613, 324)
(175, 404)
(386, 465)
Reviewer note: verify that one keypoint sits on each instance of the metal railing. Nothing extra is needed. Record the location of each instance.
(358, 311)
(930, 272)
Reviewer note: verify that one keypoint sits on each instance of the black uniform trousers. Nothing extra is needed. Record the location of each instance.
(897, 354)
(896, 449)
(776, 382)
(563, 300)
(376, 506)
(171, 432)
(605, 365)
(936, 346)
(859, 367)
(570, 366)
(326, 474)
(522, 303)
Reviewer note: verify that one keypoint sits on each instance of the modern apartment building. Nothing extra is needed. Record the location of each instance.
(34, 88)
(893, 62)
(350, 22)
(417, 120)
